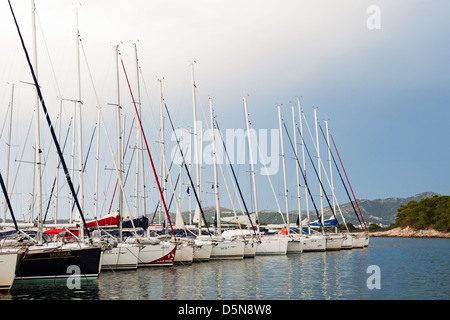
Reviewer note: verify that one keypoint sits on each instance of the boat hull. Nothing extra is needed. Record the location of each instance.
(59, 263)
(8, 265)
(228, 250)
(202, 250)
(334, 242)
(314, 244)
(269, 246)
(366, 240)
(250, 248)
(295, 245)
(158, 255)
(122, 257)
(358, 241)
(184, 253)
(348, 242)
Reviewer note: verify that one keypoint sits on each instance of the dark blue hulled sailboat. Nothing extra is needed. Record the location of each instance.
(50, 260)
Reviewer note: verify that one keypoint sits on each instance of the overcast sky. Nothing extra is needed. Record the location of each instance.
(385, 91)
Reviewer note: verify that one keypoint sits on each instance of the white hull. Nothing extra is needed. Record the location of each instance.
(295, 245)
(272, 245)
(366, 240)
(228, 250)
(348, 242)
(334, 242)
(202, 250)
(8, 263)
(247, 237)
(123, 257)
(358, 241)
(157, 255)
(314, 243)
(250, 248)
(184, 253)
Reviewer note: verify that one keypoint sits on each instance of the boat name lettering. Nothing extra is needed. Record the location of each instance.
(62, 254)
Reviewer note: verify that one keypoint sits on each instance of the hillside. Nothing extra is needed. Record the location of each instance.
(429, 213)
(379, 211)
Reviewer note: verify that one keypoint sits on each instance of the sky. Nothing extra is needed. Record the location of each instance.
(378, 71)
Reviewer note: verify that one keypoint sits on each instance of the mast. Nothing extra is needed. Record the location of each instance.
(163, 152)
(196, 150)
(216, 180)
(57, 167)
(304, 164)
(80, 127)
(297, 169)
(319, 165)
(140, 156)
(331, 167)
(251, 161)
(52, 131)
(119, 140)
(37, 129)
(286, 198)
(97, 160)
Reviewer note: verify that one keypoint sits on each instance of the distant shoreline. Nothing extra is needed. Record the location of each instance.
(409, 232)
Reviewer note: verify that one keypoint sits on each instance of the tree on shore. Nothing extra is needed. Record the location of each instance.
(428, 213)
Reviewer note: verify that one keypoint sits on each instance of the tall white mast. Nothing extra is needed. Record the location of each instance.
(80, 127)
(140, 155)
(57, 168)
(97, 160)
(216, 180)
(251, 160)
(297, 170)
(304, 164)
(286, 197)
(119, 141)
(196, 150)
(37, 130)
(163, 152)
(319, 164)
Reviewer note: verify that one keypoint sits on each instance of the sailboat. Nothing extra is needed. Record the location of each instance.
(164, 251)
(10, 258)
(334, 240)
(8, 264)
(226, 248)
(312, 241)
(267, 245)
(184, 253)
(295, 244)
(121, 255)
(44, 260)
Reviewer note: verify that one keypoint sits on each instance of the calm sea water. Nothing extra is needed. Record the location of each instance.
(409, 268)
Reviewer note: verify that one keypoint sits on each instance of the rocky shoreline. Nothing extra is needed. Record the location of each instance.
(409, 232)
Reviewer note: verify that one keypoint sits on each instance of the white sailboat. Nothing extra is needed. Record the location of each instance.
(311, 242)
(295, 244)
(266, 244)
(224, 249)
(49, 260)
(122, 255)
(9, 261)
